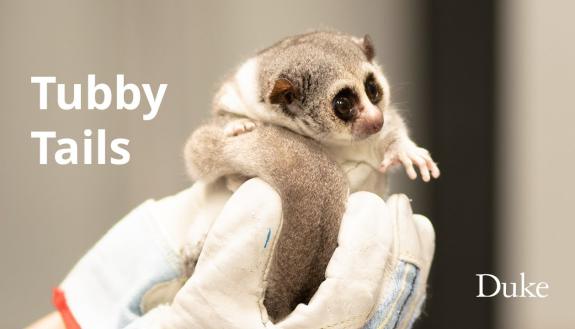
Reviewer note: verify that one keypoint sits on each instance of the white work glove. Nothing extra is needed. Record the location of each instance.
(375, 279)
(377, 275)
(404, 286)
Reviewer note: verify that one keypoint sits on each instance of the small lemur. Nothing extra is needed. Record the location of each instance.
(296, 115)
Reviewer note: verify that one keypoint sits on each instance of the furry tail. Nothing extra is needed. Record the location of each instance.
(204, 154)
(313, 189)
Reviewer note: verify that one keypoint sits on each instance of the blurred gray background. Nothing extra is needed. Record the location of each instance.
(50, 215)
(536, 157)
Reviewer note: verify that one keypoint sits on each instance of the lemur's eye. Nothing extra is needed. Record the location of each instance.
(344, 104)
(373, 89)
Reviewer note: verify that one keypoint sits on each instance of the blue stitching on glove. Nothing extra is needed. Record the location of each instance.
(389, 312)
(268, 238)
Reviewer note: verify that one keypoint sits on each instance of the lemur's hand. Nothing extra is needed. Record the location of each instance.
(407, 153)
(239, 126)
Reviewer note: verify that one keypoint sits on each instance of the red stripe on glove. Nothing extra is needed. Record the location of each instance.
(59, 301)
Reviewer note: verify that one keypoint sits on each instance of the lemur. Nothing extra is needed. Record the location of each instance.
(301, 115)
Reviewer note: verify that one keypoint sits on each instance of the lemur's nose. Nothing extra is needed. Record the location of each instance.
(373, 118)
(369, 121)
(376, 125)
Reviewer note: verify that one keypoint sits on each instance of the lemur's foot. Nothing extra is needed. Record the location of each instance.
(409, 154)
(239, 126)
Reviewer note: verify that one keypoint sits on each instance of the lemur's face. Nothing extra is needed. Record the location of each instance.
(329, 87)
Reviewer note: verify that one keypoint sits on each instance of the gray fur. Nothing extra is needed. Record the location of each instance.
(314, 62)
(312, 188)
(311, 184)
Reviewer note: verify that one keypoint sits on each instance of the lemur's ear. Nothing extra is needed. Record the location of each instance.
(283, 92)
(366, 45)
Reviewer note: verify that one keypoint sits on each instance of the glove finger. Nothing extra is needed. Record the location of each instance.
(407, 246)
(228, 280)
(427, 240)
(413, 304)
(354, 274)
(403, 290)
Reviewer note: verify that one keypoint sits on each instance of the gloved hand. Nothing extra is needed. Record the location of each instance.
(377, 274)
(404, 286)
(376, 278)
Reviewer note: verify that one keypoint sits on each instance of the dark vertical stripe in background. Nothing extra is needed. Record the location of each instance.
(461, 40)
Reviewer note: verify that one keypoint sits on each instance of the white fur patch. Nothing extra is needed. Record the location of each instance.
(241, 96)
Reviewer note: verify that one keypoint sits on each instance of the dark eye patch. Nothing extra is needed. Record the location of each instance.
(373, 89)
(344, 104)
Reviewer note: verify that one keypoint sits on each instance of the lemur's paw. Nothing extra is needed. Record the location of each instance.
(238, 127)
(409, 155)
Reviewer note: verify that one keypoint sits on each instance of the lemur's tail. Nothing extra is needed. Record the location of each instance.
(313, 189)
(204, 154)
